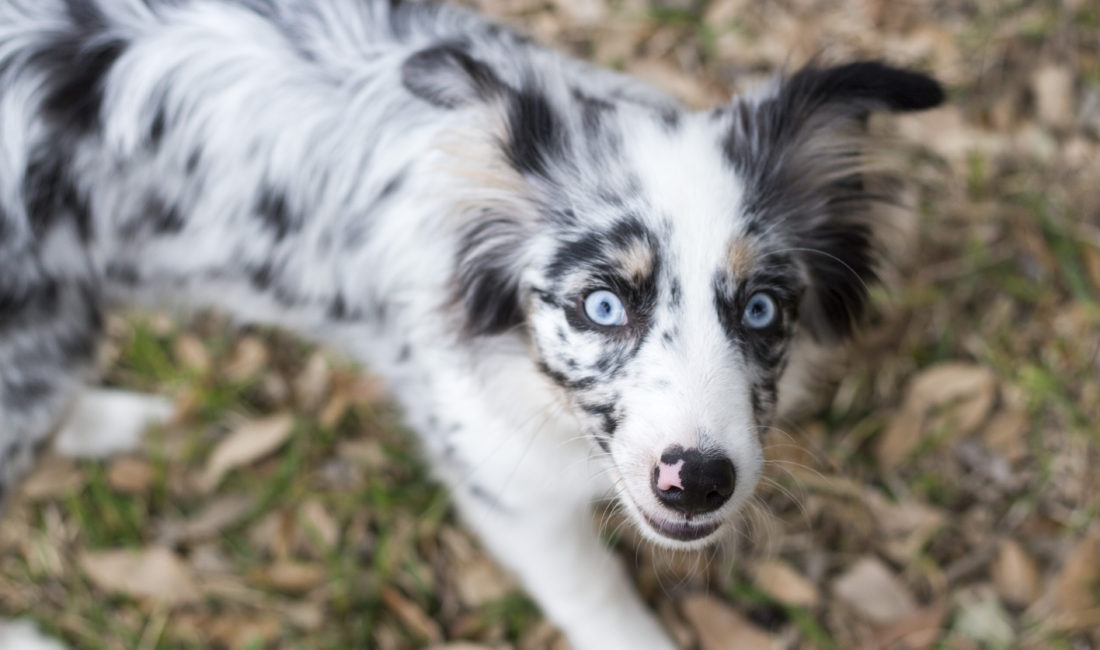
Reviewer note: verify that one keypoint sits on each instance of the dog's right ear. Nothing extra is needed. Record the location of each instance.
(446, 76)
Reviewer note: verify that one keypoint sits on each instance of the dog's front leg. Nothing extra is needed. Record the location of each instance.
(581, 586)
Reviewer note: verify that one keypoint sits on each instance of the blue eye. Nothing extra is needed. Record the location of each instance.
(604, 308)
(761, 312)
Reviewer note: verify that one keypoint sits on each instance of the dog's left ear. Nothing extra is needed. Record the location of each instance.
(802, 152)
(448, 77)
(858, 88)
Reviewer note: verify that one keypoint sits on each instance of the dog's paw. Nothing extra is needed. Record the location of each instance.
(106, 422)
(23, 635)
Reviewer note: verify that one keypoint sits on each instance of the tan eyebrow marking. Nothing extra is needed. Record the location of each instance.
(635, 260)
(741, 257)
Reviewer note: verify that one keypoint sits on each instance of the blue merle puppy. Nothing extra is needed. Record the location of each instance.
(576, 287)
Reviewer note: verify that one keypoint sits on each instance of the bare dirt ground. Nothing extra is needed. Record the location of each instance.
(947, 497)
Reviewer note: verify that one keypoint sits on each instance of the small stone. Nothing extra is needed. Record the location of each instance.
(874, 592)
(780, 581)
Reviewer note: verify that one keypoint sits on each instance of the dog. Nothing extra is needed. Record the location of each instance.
(576, 287)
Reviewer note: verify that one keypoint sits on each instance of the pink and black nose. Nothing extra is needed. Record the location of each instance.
(693, 482)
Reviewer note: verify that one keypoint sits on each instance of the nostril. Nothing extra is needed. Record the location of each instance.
(692, 482)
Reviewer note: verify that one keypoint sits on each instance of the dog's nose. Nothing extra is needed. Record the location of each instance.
(693, 482)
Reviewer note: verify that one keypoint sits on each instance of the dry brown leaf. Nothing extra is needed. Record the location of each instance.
(477, 579)
(244, 632)
(906, 526)
(311, 384)
(190, 353)
(368, 453)
(249, 357)
(54, 477)
(874, 592)
(305, 615)
(248, 443)
(216, 516)
(209, 559)
(1052, 88)
(1077, 583)
(1092, 265)
(130, 475)
(334, 409)
(155, 573)
(466, 645)
(780, 581)
(720, 627)
(292, 577)
(952, 397)
(411, 616)
(1015, 574)
(1005, 435)
(682, 633)
(480, 581)
(584, 13)
(319, 526)
(916, 631)
(276, 533)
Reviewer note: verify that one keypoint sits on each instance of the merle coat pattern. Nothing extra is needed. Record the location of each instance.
(443, 200)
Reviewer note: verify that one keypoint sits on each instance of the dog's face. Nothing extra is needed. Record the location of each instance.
(661, 262)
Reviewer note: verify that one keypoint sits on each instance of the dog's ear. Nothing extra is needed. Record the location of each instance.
(803, 151)
(448, 77)
(487, 276)
(856, 89)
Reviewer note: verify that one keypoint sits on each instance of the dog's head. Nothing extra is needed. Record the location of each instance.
(662, 262)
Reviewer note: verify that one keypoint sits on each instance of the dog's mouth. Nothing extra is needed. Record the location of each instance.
(683, 530)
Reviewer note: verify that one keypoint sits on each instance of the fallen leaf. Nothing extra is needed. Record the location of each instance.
(1052, 88)
(334, 409)
(465, 645)
(244, 631)
(1077, 583)
(411, 616)
(216, 516)
(54, 477)
(155, 573)
(917, 630)
(682, 633)
(906, 526)
(480, 581)
(952, 397)
(247, 360)
(130, 475)
(190, 353)
(305, 615)
(319, 525)
(720, 627)
(582, 12)
(874, 592)
(311, 384)
(292, 577)
(1015, 574)
(248, 443)
(1005, 434)
(780, 581)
